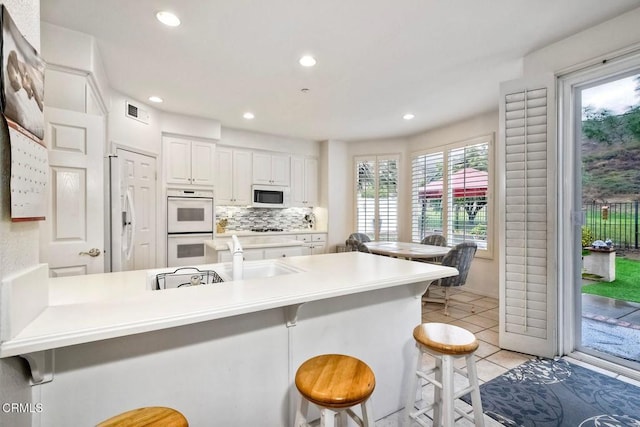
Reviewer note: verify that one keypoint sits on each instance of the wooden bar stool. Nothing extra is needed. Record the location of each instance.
(446, 343)
(335, 383)
(155, 416)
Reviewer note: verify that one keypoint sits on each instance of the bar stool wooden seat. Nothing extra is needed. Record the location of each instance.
(446, 343)
(154, 416)
(335, 383)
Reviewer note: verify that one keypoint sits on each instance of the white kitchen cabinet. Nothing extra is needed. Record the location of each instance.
(314, 243)
(271, 169)
(273, 253)
(233, 172)
(304, 181)
(257, 254)
(189, 162)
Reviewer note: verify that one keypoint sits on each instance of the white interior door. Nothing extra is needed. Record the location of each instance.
(139, 178)
(72, 238)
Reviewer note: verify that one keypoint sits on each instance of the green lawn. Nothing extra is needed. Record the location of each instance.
(626, 287)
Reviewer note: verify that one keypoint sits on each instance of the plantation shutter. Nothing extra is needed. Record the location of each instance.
(528, 285)
(377, 196)
(426, 195)
(467, 194)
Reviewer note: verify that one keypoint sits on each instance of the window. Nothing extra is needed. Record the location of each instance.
(377, 196)
(450, 192)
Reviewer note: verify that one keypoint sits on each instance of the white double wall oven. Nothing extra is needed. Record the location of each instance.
(190, 221)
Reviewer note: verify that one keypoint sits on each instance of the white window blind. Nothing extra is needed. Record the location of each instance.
(426, 199)
(377, 197)
(450, 193)
(526, 244)
(467, 194)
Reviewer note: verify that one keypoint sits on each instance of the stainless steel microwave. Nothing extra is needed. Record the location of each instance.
(269, 196)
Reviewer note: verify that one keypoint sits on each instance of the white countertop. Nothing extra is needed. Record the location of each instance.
(97, 307)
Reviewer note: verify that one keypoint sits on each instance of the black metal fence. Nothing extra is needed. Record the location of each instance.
(615, 221)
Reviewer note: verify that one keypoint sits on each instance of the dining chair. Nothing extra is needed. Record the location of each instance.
(354, 238)
(459, 257)
(434, 240)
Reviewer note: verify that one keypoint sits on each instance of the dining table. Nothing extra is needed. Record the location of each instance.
(407, 250)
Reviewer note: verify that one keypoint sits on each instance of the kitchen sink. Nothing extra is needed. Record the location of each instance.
(191, 276)
(258, 269)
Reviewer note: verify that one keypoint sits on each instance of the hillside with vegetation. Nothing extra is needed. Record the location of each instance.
(611, 155)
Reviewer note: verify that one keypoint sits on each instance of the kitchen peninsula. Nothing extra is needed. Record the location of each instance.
(222, 354)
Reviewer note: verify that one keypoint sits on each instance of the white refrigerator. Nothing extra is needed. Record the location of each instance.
(120, 221)
(132, 213)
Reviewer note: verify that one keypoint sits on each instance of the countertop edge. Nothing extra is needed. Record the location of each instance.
(32, 342)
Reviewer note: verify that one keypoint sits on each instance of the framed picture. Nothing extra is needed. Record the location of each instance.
(22, 79)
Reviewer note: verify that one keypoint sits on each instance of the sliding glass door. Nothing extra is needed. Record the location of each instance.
(601, 145)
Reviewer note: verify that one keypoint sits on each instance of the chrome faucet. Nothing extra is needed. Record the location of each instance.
(237, 257)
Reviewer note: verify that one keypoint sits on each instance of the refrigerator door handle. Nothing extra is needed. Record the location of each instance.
(128, 245)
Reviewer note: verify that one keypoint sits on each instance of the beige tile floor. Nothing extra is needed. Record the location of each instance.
(491, 360)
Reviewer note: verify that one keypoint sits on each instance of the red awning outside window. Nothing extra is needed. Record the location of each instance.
(467, 182)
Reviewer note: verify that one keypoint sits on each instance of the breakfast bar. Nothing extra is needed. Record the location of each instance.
(108, 343)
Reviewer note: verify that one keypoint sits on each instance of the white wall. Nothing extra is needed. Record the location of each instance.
(336, 194)
(262, 141)
(19, 247)
(128, 132)
(75, 78)
(620, 34)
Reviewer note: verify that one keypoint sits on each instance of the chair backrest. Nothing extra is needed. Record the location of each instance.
(361, 247)
(459, 257)
(434, 240)
(354, 238)
(360, 237)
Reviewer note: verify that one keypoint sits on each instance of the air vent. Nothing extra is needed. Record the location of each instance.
(136, 113)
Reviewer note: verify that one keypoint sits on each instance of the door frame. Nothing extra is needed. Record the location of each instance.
(570, 215)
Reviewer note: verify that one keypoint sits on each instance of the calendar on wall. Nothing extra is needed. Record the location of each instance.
(21, 96)
(29, 176)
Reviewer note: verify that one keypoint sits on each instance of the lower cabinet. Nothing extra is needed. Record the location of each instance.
(314, 243)
(256, 254)
(283, 252)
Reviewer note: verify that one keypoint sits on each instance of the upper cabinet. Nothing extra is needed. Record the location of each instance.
(304, 181)
(233, 176)
(189, 162)
(271, 169)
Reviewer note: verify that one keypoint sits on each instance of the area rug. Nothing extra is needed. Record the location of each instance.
(555, 393)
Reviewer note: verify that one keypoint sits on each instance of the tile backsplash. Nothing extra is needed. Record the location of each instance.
(243, 219)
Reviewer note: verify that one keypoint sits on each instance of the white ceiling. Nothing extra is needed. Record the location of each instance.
(377, 59)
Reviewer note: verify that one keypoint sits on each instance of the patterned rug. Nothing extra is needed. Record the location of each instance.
(555, 393)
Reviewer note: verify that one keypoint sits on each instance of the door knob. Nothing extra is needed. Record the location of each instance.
(93, 252)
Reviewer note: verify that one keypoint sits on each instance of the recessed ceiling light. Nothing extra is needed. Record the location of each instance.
(248, 115)
(307, 61)
(408, 116)
(156, 99)
(168, 18)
